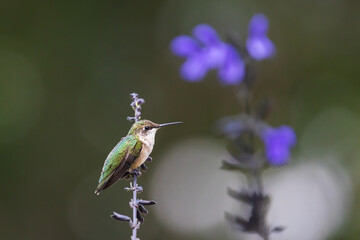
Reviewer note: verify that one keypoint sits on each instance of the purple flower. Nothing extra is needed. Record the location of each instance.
(232, 71)
(206, 51)
(278, 142)
(258, 45)
(194, 68)
(184, 46)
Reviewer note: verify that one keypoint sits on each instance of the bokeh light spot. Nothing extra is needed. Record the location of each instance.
(310, 199)
(191, 189)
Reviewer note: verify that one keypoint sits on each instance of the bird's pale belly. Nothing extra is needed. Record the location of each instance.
(144, 154)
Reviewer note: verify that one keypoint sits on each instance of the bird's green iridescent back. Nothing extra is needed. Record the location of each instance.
(129, 144)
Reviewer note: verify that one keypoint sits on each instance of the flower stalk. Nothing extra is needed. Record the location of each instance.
(135, 225)
(137, 205)
(253, 144)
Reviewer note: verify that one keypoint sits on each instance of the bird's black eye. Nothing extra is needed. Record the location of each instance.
(147, 128)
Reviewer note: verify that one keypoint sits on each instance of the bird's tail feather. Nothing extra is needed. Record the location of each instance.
(102, 185)
(110, 180)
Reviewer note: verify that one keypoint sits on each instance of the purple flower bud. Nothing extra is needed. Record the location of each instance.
(130, 119)
(134, 96)
(231, 128)
(258, 25)
(205, 34)
(184, 46)
(260, 48)
(258, 45)
(139, 217)
(278, 142)
(140, 101)
(147, 202)
(142, 209)
(120, 217)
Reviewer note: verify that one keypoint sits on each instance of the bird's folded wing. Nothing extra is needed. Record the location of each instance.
(119, 161)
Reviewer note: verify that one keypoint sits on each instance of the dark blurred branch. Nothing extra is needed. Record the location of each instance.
(242, 133)
(260, 201)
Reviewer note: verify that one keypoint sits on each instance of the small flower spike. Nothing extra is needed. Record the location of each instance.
(258, 45)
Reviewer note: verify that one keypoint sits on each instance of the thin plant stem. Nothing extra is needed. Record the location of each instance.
(135, 225)
(134, 201)
(256, 173)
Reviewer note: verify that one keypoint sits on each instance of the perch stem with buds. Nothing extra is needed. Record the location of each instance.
(136, 204)
(135, 225)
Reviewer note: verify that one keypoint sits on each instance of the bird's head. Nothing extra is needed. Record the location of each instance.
(147, 128)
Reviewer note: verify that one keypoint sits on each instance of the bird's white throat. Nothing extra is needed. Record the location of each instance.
(149, 139)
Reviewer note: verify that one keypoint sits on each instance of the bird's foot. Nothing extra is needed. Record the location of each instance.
(136, 172)
(143, 167)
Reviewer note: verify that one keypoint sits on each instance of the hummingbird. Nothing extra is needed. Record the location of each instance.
(130, 153)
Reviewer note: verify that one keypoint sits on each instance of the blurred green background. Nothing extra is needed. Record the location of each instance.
(66, 71)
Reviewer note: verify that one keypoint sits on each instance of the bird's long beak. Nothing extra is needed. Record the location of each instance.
(167, 124)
